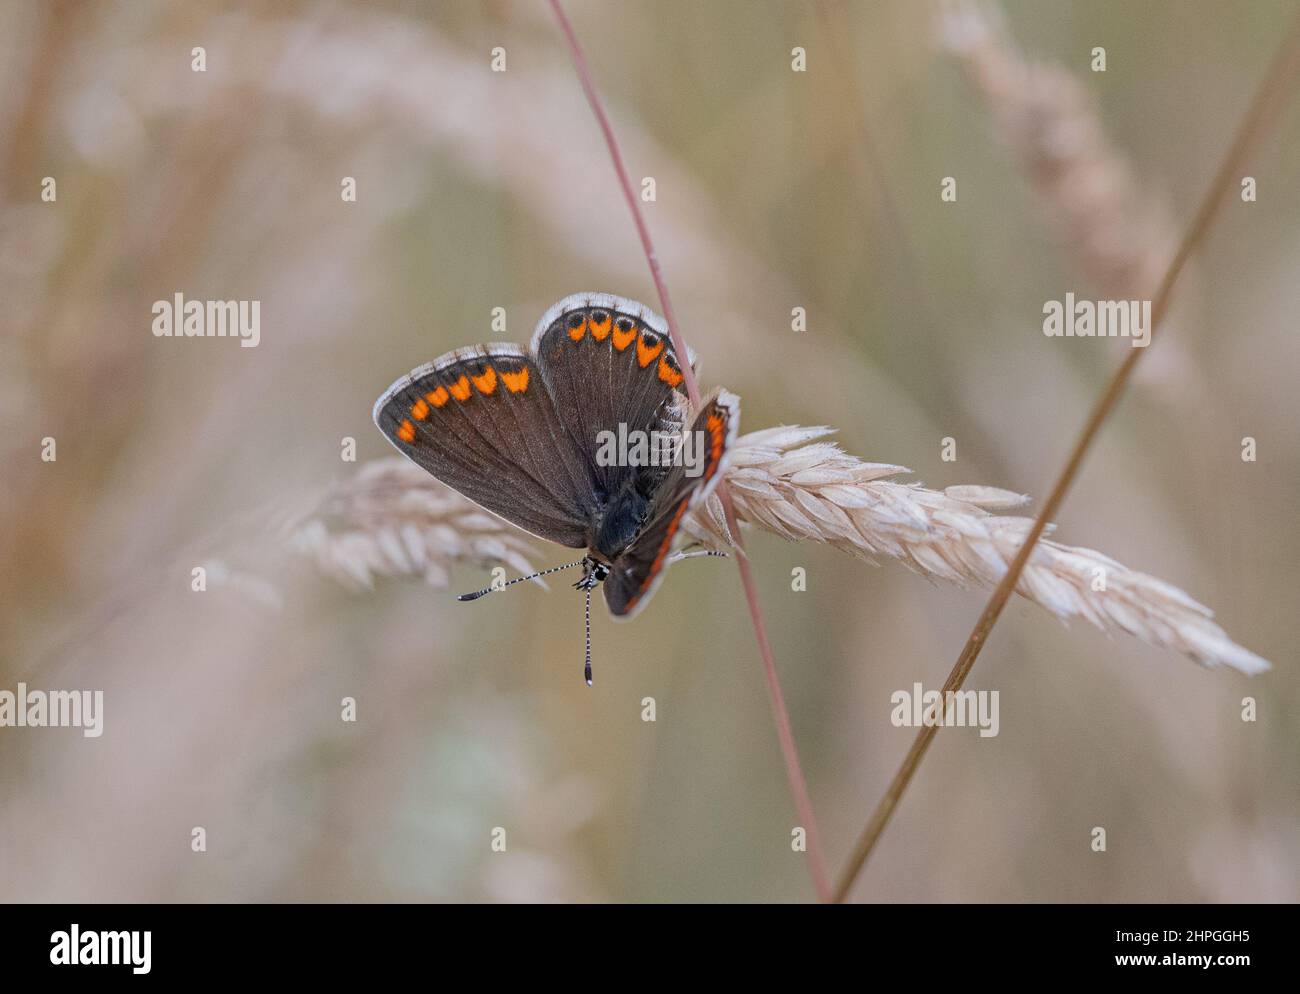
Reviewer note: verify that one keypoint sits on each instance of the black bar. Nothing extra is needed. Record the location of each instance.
(949, 943)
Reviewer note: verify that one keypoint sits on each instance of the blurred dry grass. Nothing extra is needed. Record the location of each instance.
(479, 190)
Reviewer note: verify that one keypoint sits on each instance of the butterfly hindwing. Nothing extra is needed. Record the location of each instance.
(610, 366)
(482, 421)
(636, 573)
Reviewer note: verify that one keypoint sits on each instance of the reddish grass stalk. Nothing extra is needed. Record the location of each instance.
(1261, 113)
(784, 732)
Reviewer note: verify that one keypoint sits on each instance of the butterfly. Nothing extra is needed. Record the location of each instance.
(525, 435)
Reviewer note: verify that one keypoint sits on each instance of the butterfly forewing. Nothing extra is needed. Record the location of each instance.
(482, 421)
(609, 367)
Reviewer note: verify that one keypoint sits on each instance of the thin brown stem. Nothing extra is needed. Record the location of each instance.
(784, 731)
(1263, 110)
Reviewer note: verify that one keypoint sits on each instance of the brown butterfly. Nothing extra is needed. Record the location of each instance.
(520, 433)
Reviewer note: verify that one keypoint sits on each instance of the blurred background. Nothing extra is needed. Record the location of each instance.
(775, 189)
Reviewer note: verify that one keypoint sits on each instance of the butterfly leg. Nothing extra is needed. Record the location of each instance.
(687, 554)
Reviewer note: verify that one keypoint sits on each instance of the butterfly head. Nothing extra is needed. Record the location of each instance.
(594, 573)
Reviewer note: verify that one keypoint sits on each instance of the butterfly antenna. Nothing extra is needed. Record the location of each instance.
(586, 671)
(519, 579)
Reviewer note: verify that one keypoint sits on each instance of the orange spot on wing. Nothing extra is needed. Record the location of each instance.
(406, 431)
(577, 331)
(667, 373)
(600, 329)
(646, 353)
(437, 397)
(486, 381)
(516, 382)
(622, 339)
(420, 409)
(460, 389)
(716, 425)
